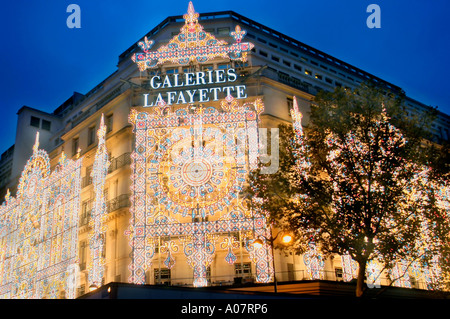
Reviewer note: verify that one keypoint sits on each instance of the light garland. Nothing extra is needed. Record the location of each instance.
(416, 188)
(98, 215)
(192, 44)
(39, 230)
(188, 168)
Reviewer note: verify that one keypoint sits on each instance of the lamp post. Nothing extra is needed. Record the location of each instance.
(285, 239)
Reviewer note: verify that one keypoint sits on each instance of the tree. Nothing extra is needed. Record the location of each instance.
(358, 181)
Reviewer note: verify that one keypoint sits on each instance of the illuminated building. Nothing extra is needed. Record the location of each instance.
(160, 199)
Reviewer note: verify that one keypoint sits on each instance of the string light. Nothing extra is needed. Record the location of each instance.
(188, 168)
(98, 215)
(39, 230)
(419, 187)
(192, 44)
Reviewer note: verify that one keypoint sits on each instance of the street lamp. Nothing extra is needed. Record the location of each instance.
(285, 239)
(92, 287)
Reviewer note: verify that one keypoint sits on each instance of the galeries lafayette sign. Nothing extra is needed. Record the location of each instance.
(188, 94)
(193, 44)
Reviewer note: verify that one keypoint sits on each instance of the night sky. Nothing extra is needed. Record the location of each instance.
(44, 61)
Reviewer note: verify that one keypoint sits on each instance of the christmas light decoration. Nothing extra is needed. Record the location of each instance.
(300, 150)
(229, 243)
(373, 273)
(39, 230)
(314, 262)
(419, 187)
(192, 44)
(349, 268)
(401, 274)
(98, 215)
(188, 169)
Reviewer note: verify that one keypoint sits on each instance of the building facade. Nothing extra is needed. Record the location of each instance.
(174, 211)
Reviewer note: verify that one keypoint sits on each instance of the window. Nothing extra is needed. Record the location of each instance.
(262, 40)
(172, 71)
(223, 66)
(162, 276)
(290, 104)
(208, 67)
(46, 125)
(328, 80)
(297, 67)
(223, 31)
(82, 255)
(338, 273)
(75, 146)
(35, 121)
(318, 76)
(85, 212)
(263, 53)
(109, 123)
(286, 63)
(275, 58)
(242, 269)
(308, 72)
(91, 135)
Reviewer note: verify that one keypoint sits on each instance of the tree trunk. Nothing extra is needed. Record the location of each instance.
(360, 285)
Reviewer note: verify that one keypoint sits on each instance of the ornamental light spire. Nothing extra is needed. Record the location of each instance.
(192, 44)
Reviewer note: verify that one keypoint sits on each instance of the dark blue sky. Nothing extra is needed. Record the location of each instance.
(43, 61)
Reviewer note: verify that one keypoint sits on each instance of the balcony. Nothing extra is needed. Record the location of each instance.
(112, 205)
(116, 163)
(294, 82)
(120, 201)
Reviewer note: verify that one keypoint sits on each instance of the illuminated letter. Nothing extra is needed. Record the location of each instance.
(74, 20)
(146, 100)
(167, 82)
(240, 89)
(170, 97)
(191, 95)
(210, 77)
(201, 76)
(176, 81)
(159, 99)
(189, 79)
(220, 76)
(181, 98)
(231, 75)
(228, 89)
(152, 82)
(215, 90)
(202, 93)
(374, 20)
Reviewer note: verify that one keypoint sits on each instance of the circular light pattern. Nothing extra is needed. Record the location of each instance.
(196, 172)
(196, 179)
